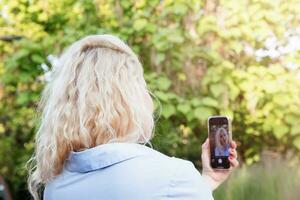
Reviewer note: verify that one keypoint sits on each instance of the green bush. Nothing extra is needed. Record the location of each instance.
(201, 58)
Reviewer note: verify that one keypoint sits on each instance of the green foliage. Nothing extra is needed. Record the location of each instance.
(275, 179)
(199, 59)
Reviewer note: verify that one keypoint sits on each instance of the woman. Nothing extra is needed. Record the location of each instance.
(97, 116)
(222, 142)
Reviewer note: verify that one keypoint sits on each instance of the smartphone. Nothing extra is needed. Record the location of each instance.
(219, 133)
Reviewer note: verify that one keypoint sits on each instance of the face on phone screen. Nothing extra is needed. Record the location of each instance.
(219, 142)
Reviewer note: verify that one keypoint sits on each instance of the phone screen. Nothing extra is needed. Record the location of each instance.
(219, 137)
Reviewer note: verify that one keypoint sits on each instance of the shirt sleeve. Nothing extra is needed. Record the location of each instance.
(187, 183)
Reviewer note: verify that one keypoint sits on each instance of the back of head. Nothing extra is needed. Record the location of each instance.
(97, 95)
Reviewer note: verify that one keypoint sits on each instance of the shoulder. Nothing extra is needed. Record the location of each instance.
(187, 182)
(183, 181)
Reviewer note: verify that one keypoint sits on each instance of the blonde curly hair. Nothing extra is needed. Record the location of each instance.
(97, 94)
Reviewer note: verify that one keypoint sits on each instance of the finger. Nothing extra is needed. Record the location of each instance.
(233, 153)
(233, 161)
(233, 144)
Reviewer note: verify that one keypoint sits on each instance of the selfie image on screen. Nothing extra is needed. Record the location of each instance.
(221, 140)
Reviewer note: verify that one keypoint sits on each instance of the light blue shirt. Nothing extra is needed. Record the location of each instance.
(221, 151)
(127, 171)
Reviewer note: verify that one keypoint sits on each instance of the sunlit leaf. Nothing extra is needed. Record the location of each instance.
(184, 108)
(202, 113)
(280, 130)
(139, 24)
(162, 96)
(208, 101)
(163, 83)
(217, 89)
(296, 142)
(168, 110)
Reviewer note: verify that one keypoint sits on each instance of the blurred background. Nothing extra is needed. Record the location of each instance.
(201, 58)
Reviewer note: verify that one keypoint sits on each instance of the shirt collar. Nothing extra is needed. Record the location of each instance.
(103, 156)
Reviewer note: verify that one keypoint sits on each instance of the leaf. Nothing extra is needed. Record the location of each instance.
(236, 46)
(227, 64)
(23, 98)
(296, 142)
(217, 89)
(228, 113)
(37, 58)
(190, 116)
(196, 102)
(246, 86)
(181, 76)
(202, 113)
(160, 57)
(162, 96)
(139, 24)
(21, 53)
(282, 99)
(268, 123)
(280, 130)
(163, 83)
(180, 9)
(168, 110)
(233, 91)
(2, 128)
(295, 129)
(292, 119)
(175, 38)
(184, 108)
(151, 27)
(172, 95)
(208, 101)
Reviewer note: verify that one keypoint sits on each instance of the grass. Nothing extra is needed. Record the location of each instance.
(272, 179)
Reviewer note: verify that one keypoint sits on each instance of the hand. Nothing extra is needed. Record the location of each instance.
(216, 177)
